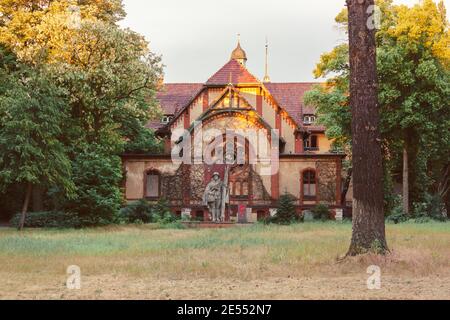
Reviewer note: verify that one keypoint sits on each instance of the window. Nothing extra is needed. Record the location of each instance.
(239, 189)
(152, 184)
(309, 185)
(309, 119)
(166, 119)
(312, 143)
(244, 188)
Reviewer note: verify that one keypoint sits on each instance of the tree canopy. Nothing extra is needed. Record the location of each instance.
(414, 89)
(88, 93)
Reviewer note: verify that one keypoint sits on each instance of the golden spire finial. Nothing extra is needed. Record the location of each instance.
(266, 76)
(238, 53)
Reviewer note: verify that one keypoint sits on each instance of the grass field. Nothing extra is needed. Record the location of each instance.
(256, 262)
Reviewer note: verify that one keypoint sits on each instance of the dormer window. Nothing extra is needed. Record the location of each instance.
(309, 119)
(166, 119)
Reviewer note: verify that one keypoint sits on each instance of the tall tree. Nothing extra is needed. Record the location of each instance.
(110, 78)
(368, 212)
(32, 113)
(414, 90)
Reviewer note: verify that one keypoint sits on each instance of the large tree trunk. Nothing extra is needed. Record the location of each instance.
(368, 212)
(25, 206)
(405, 182)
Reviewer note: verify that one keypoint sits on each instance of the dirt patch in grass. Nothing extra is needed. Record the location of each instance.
(322, 288)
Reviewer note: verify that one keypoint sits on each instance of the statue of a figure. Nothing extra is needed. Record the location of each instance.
(213, 198)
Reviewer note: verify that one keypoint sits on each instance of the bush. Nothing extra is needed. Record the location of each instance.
(321, 212)
(397, 215)
(161, 213)
(286, 213)
(433, 208)
(136, 212)
(50, 219)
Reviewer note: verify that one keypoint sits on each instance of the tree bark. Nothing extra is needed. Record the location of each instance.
(405, 182)
(368, 203)
(25, 206)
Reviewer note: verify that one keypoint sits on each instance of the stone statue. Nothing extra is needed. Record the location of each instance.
(213, 198)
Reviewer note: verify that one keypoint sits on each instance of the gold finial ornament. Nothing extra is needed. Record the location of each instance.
(239, 53)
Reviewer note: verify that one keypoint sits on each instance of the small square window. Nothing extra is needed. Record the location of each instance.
(309, 119)
(166, 119)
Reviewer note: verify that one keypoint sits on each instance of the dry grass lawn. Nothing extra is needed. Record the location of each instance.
(255, 262)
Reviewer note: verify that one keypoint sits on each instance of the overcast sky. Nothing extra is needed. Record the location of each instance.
(196, 37)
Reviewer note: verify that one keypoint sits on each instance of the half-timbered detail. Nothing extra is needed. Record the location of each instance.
(234, 101)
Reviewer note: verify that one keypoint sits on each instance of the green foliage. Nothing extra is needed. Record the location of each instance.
(97, 176)
(321, 212)
(139, 211)
(112, 89)
(431, 208)
(32, 114)
(72, 102)
(144, 142)
(414, 90)
(51, 219)
(286, 212)
(143, 212)
(162, 214)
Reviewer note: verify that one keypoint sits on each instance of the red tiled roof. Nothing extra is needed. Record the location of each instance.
(238, 73)
(155, 125)
(175, 96)
(316, 128)
(290, 97)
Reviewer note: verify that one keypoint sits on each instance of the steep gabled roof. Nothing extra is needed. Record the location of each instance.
(233, 71)
(290, 97)
(175, 96)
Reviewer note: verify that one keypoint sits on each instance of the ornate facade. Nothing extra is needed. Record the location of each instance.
(233, 100)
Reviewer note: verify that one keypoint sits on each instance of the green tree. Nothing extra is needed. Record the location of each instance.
(286, 212)
(110, 79)
(97, 175)
(413, 78)
(32, 113)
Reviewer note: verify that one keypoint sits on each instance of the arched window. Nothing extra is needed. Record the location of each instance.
(244, 188)
(309, 184)
(152, 184)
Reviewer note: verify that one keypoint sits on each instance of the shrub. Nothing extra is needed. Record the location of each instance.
(161, 213)
(136, 212)
(321, 212)
(50, 219)
(286, 213)
(432, 208)
(397, 215)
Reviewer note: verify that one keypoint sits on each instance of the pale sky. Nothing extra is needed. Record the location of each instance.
(195, 37)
